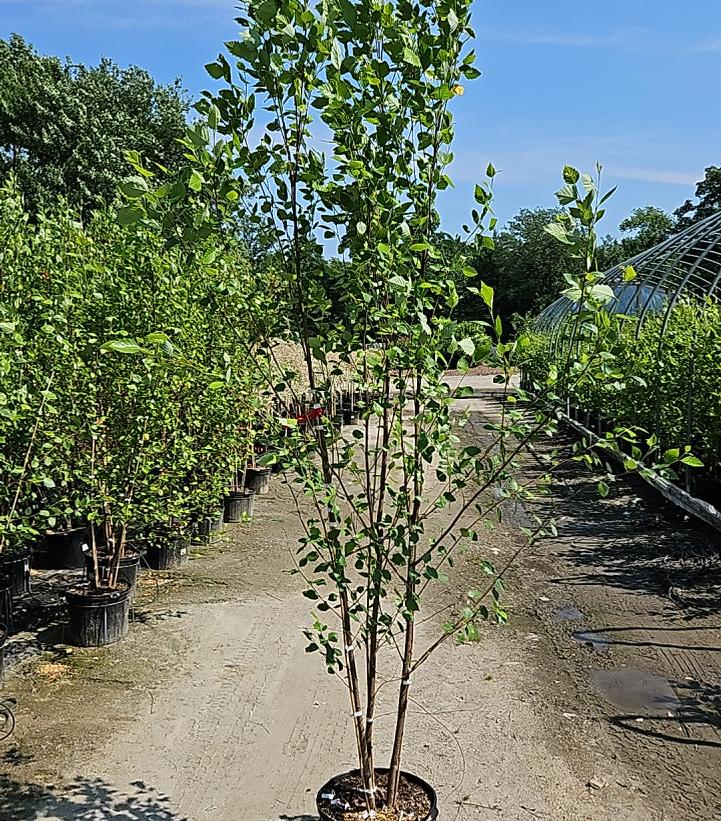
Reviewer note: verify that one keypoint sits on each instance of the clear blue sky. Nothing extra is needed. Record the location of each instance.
(634, 84)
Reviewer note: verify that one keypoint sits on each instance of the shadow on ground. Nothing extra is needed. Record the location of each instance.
(83, 800)
(634, 540)
(298, 818)
(673, 637)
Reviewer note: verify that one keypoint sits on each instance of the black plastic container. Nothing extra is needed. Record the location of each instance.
(216, 519)
(167, 552)
(238, 506)
(330, 787)
(64, 549)
(257, 480)
(201, 531)
(15, 571)
(6, 611)
(127, 572)
(97, 617)
(350, 417)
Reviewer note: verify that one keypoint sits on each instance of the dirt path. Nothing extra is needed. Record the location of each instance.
(212, 710)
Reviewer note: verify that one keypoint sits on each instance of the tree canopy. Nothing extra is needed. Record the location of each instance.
(643, 228)
(708, 194)
(64, 128)
(527, 266)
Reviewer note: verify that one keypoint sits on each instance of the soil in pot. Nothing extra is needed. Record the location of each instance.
(238, 505)
(97, 616)
(342, 799)
(127, 572)
(64, 549)
(167, 552)
(257, 480)
(15, 571)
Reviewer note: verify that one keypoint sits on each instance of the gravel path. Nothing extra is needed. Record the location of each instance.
(212, 710)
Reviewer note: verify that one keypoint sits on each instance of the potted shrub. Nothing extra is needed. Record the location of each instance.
(240, 497)
(22, 475)
(399, 497)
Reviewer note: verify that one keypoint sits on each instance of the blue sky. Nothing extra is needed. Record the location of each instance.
(634, 84)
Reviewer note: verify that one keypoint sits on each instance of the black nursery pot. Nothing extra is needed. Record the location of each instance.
(64, 549)
(350, 417)
(201, 531)
(15, 571)
(217, 518)
(168, 552)
(238, 503)
(6, 615)
(257, 480)
(97, 617)
(323, 804)
(127, 572)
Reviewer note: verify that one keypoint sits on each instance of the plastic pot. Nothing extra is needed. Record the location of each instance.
(330, 787)
(64, 549)
(238, 505)
(127, 572)
(6, 610)
(257, 480)
(217, 518)
(15, 571)
(168, 552)
(201, 531)
(97, 617)
(4, 633)
(350, 417)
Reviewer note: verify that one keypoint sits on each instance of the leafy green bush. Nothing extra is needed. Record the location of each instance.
(671, 383)
(124, 399)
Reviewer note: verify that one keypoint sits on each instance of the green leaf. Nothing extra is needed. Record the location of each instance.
(629, 273)
(216, 70)
(130, 214)
(570, 175)
(410, 57)
(134, 188)
(487, 294)
(126, 346)
(468, 346)
(557, 231)
(602, 293)
(692, 461)
(335, 55)
(195, 183)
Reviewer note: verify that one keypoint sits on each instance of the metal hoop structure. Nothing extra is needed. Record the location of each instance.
(687, 265)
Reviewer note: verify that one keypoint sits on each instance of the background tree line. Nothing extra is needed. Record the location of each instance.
(527, 265)
(65, 127)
